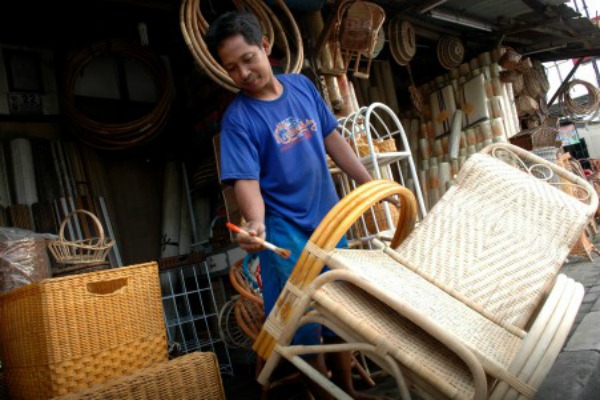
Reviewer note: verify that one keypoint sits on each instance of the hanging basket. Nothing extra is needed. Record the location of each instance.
(84, 251)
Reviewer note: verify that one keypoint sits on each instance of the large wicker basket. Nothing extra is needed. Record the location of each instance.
(83, 251)
(62, 335)
(194, 376)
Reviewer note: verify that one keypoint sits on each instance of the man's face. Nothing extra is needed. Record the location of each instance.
(247, 64)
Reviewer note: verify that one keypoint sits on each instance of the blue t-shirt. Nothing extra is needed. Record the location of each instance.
(280, 144)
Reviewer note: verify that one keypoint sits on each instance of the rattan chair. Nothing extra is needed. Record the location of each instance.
(470, 305)
(250, 316)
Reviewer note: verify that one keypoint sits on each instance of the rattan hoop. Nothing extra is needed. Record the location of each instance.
(83, 251)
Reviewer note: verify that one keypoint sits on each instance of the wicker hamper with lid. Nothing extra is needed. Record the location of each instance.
(62, 335)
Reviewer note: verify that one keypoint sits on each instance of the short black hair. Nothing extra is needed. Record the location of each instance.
(230, 24)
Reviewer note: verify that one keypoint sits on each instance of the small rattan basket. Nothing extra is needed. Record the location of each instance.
(83, 251)
(380, 222)
(386, 145)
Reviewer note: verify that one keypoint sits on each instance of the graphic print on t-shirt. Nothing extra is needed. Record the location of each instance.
(292, 130)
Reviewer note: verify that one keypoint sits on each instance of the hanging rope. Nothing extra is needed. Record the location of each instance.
(194, 26)
(114, 135)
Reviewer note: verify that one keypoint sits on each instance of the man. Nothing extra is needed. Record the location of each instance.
(274, 139)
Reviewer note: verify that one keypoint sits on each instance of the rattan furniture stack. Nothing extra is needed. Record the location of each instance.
(470, 304)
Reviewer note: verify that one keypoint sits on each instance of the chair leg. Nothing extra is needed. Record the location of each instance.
(362, 371)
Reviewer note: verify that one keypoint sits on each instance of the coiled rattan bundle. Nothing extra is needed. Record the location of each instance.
(402, 41)
(579, 107)
(194, 26)
(450, 51)
(110, 135)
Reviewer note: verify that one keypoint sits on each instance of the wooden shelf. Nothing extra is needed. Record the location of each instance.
(42, 130)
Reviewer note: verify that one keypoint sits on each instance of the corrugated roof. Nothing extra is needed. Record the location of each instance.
(491, 9)
(550, 29)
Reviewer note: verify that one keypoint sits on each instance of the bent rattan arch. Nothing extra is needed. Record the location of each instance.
(193, 28)
(118, 136)
(329, 233)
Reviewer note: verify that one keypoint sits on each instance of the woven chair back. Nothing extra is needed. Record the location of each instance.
(505, 238)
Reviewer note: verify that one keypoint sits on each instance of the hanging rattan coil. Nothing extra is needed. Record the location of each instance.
(402, 39)
(194, 26)
(450, 51)
(112, 135)
(579, 108)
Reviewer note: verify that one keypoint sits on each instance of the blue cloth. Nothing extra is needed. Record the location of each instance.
(276, 270)
(280, 143)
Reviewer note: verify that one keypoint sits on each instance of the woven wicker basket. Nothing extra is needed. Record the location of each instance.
(84, 251)
(363, 146)
(380, 217)
(192, 376)
(61, 335)
(386, 145)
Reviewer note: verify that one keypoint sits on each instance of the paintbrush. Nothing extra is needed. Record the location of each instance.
(284, 253)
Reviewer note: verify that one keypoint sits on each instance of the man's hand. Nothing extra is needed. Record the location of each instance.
(247, 243)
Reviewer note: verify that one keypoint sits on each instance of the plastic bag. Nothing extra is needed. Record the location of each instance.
(23, 257)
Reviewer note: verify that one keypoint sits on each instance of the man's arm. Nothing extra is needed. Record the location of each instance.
(252, 206)
(341, 153)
